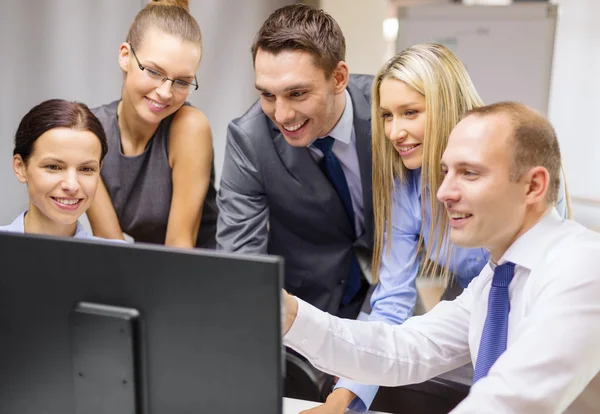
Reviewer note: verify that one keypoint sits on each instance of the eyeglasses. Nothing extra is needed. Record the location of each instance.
(178, 84)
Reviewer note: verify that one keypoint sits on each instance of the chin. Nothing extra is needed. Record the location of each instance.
(298, 142)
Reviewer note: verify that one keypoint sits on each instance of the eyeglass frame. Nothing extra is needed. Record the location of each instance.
(165, 77)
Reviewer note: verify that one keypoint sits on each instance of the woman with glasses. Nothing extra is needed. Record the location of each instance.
(154, 188)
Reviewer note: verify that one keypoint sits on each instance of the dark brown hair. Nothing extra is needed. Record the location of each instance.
(303, 27)
(535, 141)
(170, 16)
(56, 113)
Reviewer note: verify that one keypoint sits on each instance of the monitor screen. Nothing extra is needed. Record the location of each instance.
(92, 326)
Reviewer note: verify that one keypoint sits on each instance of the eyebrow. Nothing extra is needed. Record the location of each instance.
(465, 164)
(402, 106)
(160, 69)
(296, 87)
(59, 161)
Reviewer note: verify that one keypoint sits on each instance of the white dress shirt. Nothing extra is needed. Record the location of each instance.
(344, 148)
(552, 360)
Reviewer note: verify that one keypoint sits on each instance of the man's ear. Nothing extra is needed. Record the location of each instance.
(537, 180)
(124, 56)
(20, 168)
(340, 77)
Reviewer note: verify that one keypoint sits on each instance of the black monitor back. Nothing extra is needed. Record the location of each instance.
(207, 338)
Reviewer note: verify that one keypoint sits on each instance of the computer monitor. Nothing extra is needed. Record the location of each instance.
(100, 327)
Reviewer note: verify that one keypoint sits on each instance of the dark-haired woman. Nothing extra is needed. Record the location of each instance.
(59, 147)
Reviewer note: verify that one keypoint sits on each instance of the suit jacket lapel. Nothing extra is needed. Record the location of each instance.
(303, 167)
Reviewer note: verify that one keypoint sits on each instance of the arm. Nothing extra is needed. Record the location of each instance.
(554, 353)
(190, 157)
(379, 353)
(395, 295)
(103, 217)
(243, 207)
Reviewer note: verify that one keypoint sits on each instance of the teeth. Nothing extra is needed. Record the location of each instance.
(408, 148)
(294, 127)
(458, 215)
(67, 201)
(156, 104)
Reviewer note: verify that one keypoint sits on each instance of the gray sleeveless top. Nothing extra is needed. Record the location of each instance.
(140, 186)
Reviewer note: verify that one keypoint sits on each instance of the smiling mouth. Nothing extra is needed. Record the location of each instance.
(68, 202)
(294, 127)
(406, 148)
(155, 104)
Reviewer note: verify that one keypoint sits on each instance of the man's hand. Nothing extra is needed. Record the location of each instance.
(336, 403)
(290, 310)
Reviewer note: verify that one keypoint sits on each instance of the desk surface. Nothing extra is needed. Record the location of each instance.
(292, 406)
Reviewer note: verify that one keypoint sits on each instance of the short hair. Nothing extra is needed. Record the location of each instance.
(535, 141)
(306, 28)
(56, 113)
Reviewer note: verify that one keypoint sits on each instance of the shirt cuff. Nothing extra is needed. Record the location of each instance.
(309, 330)
(365, 394)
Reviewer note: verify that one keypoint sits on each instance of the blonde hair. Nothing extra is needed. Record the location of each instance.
(169, 16)
(436, 73)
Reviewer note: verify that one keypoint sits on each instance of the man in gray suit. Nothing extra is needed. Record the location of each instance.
(296, 179)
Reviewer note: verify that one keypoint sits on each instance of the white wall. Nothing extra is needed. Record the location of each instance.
(68, 49)
(575, 103)
(361, 22)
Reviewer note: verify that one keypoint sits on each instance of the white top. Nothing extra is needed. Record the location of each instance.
(294, 406)
(552, 359)
(18, 226)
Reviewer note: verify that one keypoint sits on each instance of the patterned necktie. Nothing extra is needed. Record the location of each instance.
(495, 329)
(333, 170)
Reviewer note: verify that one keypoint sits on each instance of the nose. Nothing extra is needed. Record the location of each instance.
(396, 131)
(164, 90)
(284, 113)
(448, 191)
(70, 182)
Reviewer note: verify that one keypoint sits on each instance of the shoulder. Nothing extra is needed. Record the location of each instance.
(189, 133)
(572, 256)
(254, 119)
(253, 128)
(190, 119)
(16, 226)
(106, 111)
(362, 84)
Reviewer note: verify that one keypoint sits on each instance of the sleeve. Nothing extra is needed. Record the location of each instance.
(554, 353)
(242, 202)
(379, 353)
(395, 296)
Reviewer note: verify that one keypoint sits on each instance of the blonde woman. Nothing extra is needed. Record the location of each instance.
(418, 97)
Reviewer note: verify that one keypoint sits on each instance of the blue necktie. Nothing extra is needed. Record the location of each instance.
(334, 172)
(495, 329)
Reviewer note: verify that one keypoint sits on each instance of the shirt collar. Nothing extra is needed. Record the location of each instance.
(529, 249)
(342, 131)
(18, 226)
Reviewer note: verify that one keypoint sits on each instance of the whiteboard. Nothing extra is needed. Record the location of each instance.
(507, 50)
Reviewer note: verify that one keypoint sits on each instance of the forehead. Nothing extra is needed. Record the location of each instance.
(480, 139)
(67, 144)
(171, 53)
(394, 92)
(277, 72)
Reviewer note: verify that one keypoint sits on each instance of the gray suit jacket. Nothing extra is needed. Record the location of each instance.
(275, 199)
